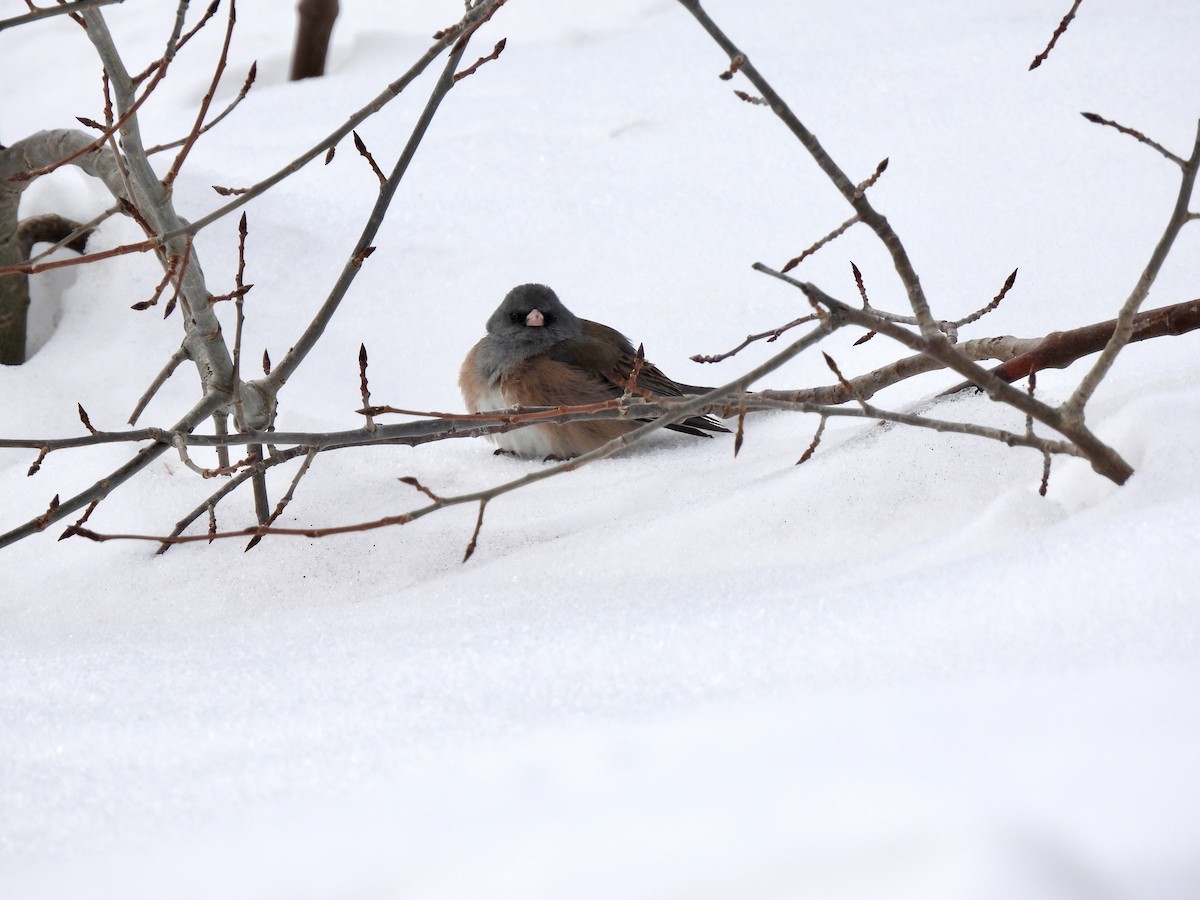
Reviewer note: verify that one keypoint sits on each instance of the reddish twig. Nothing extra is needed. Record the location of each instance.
(1058, 32)
(812, 447)
(471, 69)
(361, 146)
(769, 336)
(205, 102)
(1136, 135)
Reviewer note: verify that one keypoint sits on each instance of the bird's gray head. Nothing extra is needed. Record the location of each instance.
(531, 320)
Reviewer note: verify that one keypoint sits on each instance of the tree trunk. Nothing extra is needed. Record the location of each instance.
(315, 26)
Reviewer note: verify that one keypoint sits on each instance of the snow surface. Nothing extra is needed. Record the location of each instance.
(893, 671)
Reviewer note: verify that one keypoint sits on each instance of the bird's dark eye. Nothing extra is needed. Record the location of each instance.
(516, 318)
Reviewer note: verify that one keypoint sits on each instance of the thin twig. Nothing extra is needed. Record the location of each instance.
(361, 147)
(206, 101)
(1073, 408)
(473, 19)
(46, 12)
(1136, 135)
(287, 497)
(816, 441)
(1058, 32)
(241, 95)
(1104, 459)
(471, 69)
(285, 367)
(848, 189)
(769, 336)
(364, 388)
(159, 380)
(821, 242)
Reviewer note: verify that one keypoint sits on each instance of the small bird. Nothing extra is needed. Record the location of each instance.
(539, 353)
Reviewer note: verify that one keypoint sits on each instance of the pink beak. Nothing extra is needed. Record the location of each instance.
(535, 319)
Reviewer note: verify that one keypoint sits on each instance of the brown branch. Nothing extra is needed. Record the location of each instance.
(734, 65)
(471, 69)
(816, 441)
(205, 102)
(168, 274)
(980, 313)
(104, 486)
(1180, 216)
(180, 271)
(747, 98)
(108, 134)
(837, 232)
(241, 95)
(364, 388)
(1058, 32)
(287, 497)
(37, 463)
(1061, 348)
(1104, 459)
(1136, 135)
(361, 147)
(862, 187)
(226, 490)
(31, 268)
(769, 336)
(159, 380)
(45, 12)
(413, 482)
(475, 534)
(857, 200)
(473, 19)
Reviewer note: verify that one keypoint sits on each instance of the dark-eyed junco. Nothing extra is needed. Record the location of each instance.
(538, 353)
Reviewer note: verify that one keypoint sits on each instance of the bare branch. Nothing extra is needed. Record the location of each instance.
(76, 239)
(1136, 135)
(858, 200)
(115, 479)
(413, 482)
(862, 187)
(46, 12)
(1073, 408)
(475, 534)
(747, 98)
(284, 368)
(1058, 32)
(287, 497)
(980, 313)
(51, 229)
(821, 242)
(769, 336)
(816, 441)
(734, 65)
(364, 389)
(237, 481)
(159, 380)
(205, 102)
(361, 147)
(474, 17)
(241, 95)
(1103, 458)
(495, 54)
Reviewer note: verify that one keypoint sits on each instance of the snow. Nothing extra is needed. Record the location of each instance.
(892, 671)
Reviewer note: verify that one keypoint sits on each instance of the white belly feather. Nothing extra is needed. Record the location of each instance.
(531, 441)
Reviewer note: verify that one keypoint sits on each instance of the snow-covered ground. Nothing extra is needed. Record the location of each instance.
(893, 671)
